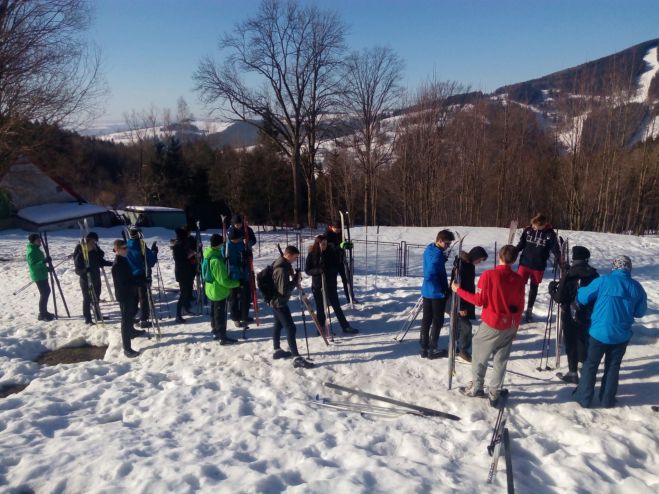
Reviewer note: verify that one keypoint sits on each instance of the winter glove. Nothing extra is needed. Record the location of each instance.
(296, 277)
(346, 245)
(553, 287)
(48, 260)
(154, 248)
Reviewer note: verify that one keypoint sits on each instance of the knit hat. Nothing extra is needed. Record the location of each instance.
(92, 236)
(477, 253)
(236, 218)
(216, 240)
(580, 253)
(181, 233)
(622, 262)
(235, 234)
(33, 237)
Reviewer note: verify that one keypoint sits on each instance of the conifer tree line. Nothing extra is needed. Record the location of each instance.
(336, 132)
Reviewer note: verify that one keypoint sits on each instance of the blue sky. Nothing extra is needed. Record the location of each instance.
(151, 47)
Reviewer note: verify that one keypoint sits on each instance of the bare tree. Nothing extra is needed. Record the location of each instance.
(48, 73)
(372, 91)
(275, 46)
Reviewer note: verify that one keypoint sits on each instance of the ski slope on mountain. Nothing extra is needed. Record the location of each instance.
(191, 416)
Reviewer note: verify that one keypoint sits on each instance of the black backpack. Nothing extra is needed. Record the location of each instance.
(266, 284)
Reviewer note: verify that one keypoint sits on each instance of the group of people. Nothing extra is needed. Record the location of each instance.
(597, 312)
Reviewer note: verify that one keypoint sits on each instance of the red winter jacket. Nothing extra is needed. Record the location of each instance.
(500, 292)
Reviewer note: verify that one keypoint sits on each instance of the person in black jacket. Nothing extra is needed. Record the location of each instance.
(93, 272)
(536, 243)
(185, 270)
(323, 262)
(575, 318)
(467, 311)
(334, 236)
(125, 289)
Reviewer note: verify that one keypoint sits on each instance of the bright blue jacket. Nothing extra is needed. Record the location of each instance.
(238, 260)
(135, 258)
(435, 284)
(618, 300)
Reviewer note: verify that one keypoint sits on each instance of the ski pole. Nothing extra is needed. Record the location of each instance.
(304, 325)
(25, 287)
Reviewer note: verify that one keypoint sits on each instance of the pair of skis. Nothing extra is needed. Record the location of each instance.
(404, 407)
(454, 320)
(501, 441)
(348, 259)
(96, 305)
(155, 322)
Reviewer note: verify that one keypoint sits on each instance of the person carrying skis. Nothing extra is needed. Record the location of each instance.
(468, 262)
(38, 264)
(575, 318)
(125, 290)
(97, 261)
(334, 236)
(538, 240)
(323, 260)
(185, 270)
(237, 258)
(501, 294)
(141, 268)
(217, 286)
(618, 300)
(434, 291)
(285, 280)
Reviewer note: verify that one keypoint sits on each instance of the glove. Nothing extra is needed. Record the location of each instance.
(48, 260)
(154, 248)
(553, 287)
(296, 277)
(346, 245)
(88, 270)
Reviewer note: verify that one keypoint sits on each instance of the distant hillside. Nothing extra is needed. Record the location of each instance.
(596, 78)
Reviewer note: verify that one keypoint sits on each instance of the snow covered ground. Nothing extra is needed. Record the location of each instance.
(189, 415)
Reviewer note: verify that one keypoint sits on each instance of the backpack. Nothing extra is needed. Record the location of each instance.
(206, 274)
(266, 284)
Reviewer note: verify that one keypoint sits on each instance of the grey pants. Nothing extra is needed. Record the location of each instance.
(488, 342)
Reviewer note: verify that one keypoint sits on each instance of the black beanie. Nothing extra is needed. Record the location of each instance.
(477, 253)
(236, 218)
(580, 253)
(92, 236)
(216, 239)
(235, 234)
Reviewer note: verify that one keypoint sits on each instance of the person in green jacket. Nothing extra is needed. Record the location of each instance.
(217, 286)
(38, 264)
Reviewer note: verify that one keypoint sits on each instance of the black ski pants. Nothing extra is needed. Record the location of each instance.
(239, 302)
(185, 285)
(128, 308)
(44, 293)
(433, 315)
(576, 339)
(284, 319)
(87, 298)
(219, 318)
(333, 299)
(533, 293)
(143, 297)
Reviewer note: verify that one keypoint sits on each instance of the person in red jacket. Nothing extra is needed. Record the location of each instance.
(501, 294)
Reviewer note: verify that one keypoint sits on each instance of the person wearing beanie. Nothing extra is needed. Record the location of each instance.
(91, 272)
(238, 252)
(434, 291)
(537, 242)
(575, 318)
(618, 299)
(141, 259)
(217, 286)
(334, 236)
(38, 265)
(185, 270)
(467, 311)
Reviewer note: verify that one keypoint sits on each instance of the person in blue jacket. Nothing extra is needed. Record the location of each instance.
(618, 300)
(140, 265)
(434, 291)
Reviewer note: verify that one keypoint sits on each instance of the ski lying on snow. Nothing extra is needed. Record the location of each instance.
(362, 408)
(428, 412)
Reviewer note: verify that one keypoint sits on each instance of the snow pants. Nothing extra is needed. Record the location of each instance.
(433, 315)
(491, 342)
(219, 318)
(44, 293)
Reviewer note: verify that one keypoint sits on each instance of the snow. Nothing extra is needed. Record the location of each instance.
(189, 415)
(646, 77)
(45, 214)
